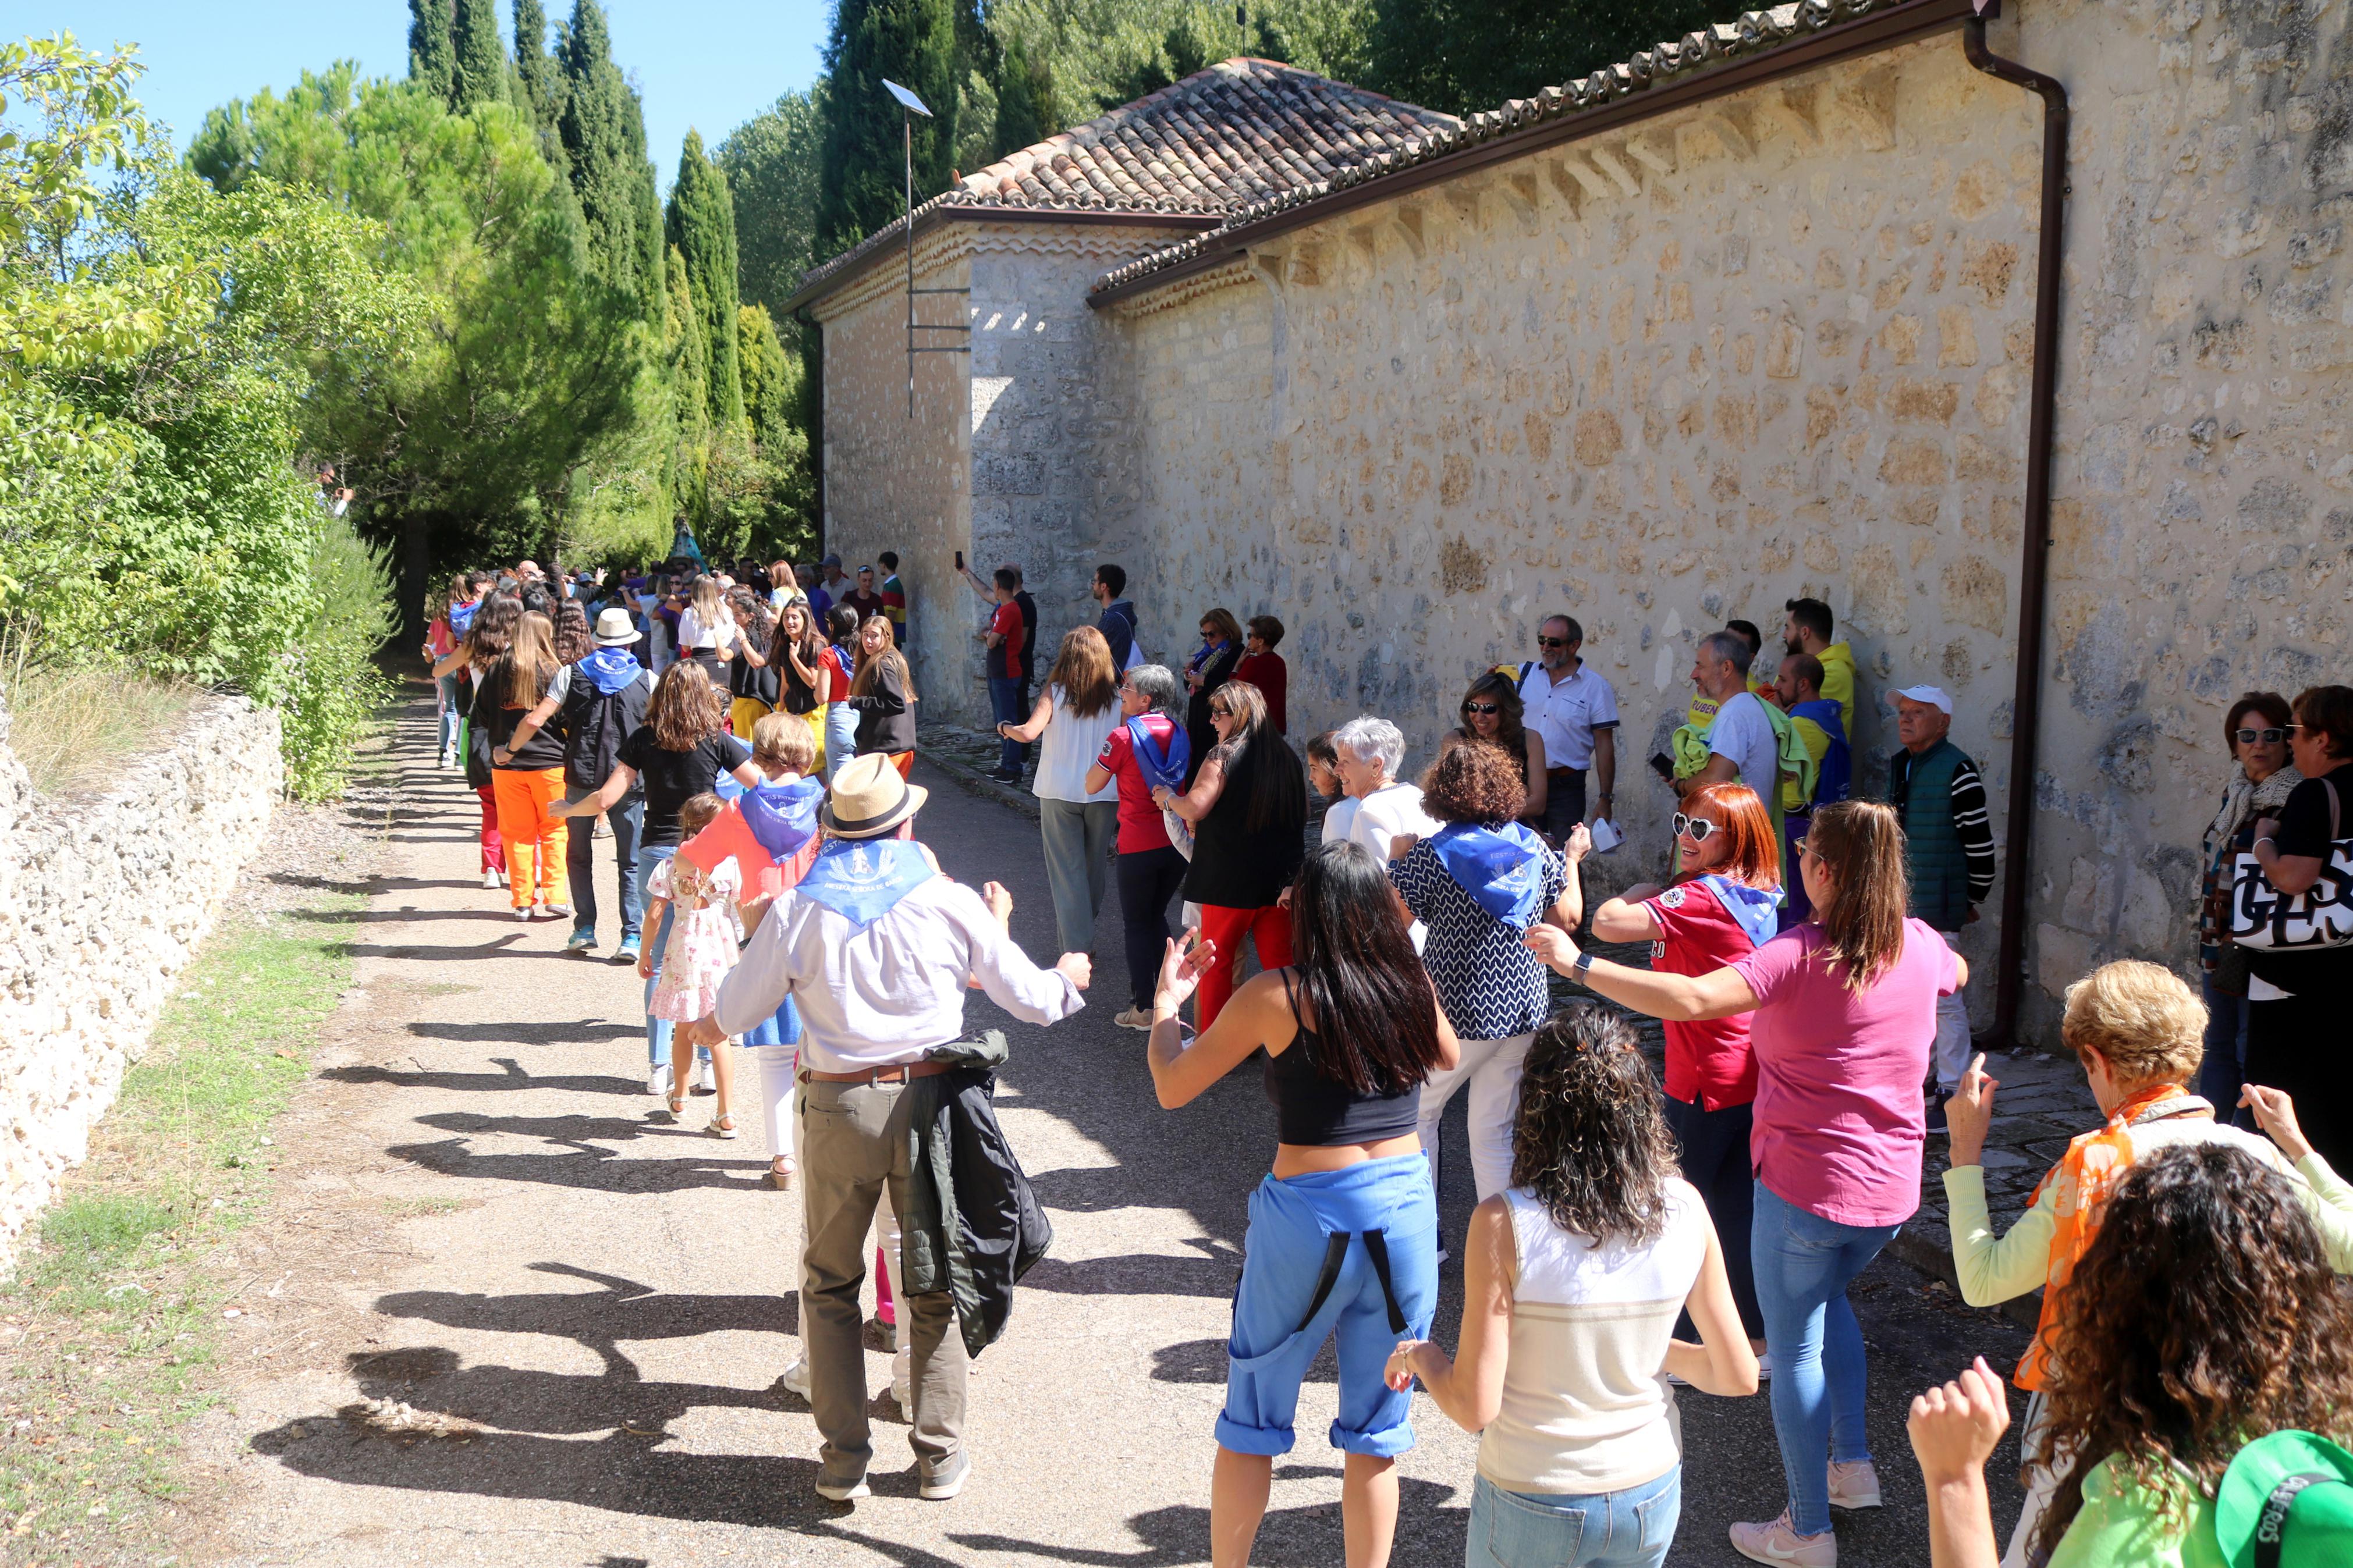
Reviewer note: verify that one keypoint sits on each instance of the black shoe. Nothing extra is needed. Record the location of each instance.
(1936, 1112)
(1001, 776)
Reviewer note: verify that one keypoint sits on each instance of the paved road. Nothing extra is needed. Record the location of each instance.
(516, 1320)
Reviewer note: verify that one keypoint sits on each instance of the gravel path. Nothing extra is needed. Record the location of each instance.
(517, 1320)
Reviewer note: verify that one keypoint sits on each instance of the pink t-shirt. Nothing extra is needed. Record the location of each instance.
(1839, 1125)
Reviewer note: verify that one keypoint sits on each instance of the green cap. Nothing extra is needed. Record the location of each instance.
(2286, 1501)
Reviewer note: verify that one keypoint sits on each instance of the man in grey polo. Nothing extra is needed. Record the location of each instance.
(876, 947)
(1576, 711)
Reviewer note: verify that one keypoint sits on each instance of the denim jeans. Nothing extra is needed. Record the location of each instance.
(2225, 1067)
(1803, 1264)
(841, 737)
(1629, 1529)
(628, 818)
(1009, 699)
(446, 687)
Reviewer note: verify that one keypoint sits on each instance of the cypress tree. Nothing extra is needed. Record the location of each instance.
(1025, 93)
(604, 135)
(538, 79)
(689, 359)
(860, 179)
(701, 226)
(430, 59)
(770, 384)
(480, 73)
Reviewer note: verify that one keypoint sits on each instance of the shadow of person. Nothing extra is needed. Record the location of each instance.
(522, 1399)
(512, 1077)
(589, 1167)
(1213, 1273)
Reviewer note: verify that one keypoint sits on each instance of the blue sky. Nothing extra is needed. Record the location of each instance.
(707, 64)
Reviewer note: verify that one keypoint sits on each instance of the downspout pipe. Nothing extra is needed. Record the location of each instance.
(2034, 568)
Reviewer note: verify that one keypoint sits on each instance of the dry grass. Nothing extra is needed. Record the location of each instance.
(76, 728)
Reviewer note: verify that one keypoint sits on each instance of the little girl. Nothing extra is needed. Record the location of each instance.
(704, 945)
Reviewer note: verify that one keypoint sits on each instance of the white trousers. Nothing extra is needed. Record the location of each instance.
(1490, 1071)
(776, 1064)
(1952, 1029)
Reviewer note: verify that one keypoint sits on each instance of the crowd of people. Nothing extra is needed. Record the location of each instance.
(1633, 1231)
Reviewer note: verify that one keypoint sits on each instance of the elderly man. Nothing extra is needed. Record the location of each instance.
(1576, 711)
(1947, 852)
(875, 947)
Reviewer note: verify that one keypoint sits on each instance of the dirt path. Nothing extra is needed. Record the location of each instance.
(504, 1315)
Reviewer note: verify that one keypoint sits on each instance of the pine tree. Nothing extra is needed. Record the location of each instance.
(479, 74)
(538, 79)
(430, 59)
(604, 135)
(771, 164)
(912, 42)
(701, 227)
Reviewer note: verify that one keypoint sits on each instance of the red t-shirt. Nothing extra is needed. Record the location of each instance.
(1140, 826)
(1268, 673)
(1709, 1064)
(1006, 624)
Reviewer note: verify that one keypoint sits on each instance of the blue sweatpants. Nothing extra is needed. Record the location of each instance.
(1280, 1325)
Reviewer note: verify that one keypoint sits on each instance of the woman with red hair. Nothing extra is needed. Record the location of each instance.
(1720, 909)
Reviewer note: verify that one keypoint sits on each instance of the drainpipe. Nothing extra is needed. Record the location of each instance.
(2033, 576)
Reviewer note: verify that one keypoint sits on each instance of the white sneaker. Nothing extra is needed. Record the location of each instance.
(1854, 1486)
(795, 1380)
(490, 880)
(657, 1085)
(844, 1491)
(1763, 1367)
(524, 912)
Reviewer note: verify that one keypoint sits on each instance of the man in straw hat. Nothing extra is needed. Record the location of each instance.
(876, 948)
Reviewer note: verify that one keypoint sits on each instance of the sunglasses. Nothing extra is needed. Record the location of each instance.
(1218, 712)
(2265, 737)
(1551, 642)
(1695, 829)
(1483, 708)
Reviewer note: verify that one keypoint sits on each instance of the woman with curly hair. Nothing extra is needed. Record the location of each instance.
(1477, 884)
(2203, 1316)
(1492, 711)
(1573, 1278)
(1844, 1014)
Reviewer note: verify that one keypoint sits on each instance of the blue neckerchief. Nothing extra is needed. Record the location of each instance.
(460, 617)
(1501, 868)
(612, 669)
(1755, 908)
(783, 816)
(861, 878)
(1208, 651)
(1158, 766)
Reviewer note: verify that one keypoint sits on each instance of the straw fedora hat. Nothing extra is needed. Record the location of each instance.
(615, 629)
(870, 799)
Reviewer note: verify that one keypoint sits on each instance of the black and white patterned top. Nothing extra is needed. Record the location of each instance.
(1490, 986)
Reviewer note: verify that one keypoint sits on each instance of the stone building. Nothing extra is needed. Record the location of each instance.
(1751, 315)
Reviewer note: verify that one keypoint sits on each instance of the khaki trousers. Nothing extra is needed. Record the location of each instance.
(854, 1148)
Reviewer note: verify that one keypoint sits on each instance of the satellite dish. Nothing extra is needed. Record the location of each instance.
(906, 100)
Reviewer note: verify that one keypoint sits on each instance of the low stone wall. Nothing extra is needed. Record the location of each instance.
(102, 901)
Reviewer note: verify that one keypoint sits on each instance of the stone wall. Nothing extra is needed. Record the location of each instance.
(1023, 452)
(1780, 344)
(102, 901)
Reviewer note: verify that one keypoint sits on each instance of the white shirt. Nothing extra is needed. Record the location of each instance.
(1389, 810)
(890, 992)
(1565, 713)
(693, 634)
(1744, 733)
(1338, 818)
(1068, 748)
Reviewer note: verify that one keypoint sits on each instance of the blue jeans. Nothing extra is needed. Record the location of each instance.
(1803, 1264)
(451, 714)
(841, 737)
(2225, 1067)
(1009, 699)
(1629, 1529)
(626, 818)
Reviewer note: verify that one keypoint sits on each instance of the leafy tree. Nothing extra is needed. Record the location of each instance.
(480, 73)
(432, 59)
(538, 76)
(862, 177)
(604, 134)
(1465, 55)
(771, 165)
(701, 226)
(772, 379)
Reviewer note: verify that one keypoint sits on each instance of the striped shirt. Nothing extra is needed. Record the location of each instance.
(1973, 827)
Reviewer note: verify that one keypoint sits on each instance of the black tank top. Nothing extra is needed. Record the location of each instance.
(1319, 1112)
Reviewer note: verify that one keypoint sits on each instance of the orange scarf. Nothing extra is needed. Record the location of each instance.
(2084, 1177)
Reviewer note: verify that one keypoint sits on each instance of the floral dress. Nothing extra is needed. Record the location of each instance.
(703, 936)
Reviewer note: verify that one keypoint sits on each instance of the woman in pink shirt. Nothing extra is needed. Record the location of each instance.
(1844, 1013)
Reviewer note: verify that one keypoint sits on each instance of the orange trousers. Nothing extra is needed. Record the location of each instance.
(534, 840)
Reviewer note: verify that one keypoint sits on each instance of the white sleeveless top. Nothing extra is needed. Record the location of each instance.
(1587, 1408)
(1067, 750)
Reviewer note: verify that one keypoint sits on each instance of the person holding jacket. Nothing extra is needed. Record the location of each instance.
(875, 947)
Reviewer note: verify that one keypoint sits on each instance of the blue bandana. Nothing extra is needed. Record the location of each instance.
(1756, 908)
(783, 816)
(612, 669)
(1159, 767)
(460, 617)
(861, 878)
(1502, 871)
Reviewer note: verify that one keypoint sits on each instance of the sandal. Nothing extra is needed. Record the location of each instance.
(782, 1180)
(721, 1127)
(677, 1103)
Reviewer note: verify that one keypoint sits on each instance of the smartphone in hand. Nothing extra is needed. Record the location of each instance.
(959, 556)
(1664, 766)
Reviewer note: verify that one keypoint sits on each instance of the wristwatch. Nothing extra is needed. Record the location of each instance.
(1583, 965)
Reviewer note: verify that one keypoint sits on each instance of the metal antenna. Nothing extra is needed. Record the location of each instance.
(909, 107)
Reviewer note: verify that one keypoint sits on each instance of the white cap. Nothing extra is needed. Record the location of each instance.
(1934, 696)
